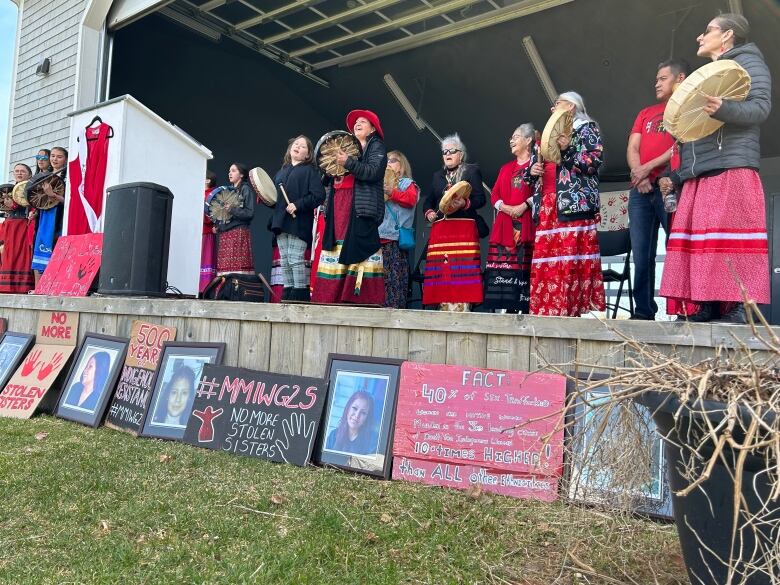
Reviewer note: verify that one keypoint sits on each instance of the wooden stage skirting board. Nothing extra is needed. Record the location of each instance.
(296, 339)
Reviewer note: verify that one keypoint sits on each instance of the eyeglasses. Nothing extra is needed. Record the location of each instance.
(41, 157)
(393, 160)
(710, 29)
(447, 151)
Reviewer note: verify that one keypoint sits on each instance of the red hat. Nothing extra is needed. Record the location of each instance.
(368, 115)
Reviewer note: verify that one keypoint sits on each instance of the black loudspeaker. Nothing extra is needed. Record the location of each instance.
(136, 236)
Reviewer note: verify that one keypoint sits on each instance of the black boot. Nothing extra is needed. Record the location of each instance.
(302, 294)
(287, 293)
(707, 313)
(736, 315)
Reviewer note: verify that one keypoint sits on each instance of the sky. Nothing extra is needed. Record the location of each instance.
(7, 39)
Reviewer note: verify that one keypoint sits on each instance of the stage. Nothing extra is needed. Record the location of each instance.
(297, 338)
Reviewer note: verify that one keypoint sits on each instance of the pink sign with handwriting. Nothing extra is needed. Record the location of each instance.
(459, 426)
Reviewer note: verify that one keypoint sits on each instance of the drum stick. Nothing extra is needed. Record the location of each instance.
(285, 197)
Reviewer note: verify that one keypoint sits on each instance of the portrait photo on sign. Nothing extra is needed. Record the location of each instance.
(616, 457)
(92, 378)
(13, 348)
(356, 432)
(175, 384)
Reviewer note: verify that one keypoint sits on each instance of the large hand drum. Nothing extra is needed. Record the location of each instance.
(5, 192)
(219, 202)
(328, 147)
(18, 194)
(264, 186)
(460, 190)
(36, 194)
(559, 124)
(684, 116)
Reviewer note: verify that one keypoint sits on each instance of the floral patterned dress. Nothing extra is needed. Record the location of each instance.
(566, 277)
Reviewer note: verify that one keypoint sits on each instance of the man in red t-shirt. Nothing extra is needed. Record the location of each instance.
(649, 149)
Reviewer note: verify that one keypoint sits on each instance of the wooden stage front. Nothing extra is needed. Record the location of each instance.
(297, 338)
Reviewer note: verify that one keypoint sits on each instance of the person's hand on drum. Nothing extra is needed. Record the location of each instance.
(341, 157)
(458, 203)
(430, 216)
(564, 140)
(50, 193)
(291, 209)
(712, 104)
(537, 170)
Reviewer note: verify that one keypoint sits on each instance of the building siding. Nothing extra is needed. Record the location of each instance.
(49, 28)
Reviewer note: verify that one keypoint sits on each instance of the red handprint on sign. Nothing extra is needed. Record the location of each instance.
(30, 362)
(48, 368)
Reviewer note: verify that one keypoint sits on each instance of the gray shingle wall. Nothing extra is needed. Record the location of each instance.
(50, 28)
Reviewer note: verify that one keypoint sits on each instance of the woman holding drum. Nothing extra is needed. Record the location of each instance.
(293, 215)
(50, 188)
(508, 267)
(566, 275)
(401, 194)
(718, 239)
(234, 240)
(15, 273)
(350, 266)
(453, 277)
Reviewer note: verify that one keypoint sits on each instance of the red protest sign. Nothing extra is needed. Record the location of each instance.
(32, 380)
(73, 266)
(457, 426)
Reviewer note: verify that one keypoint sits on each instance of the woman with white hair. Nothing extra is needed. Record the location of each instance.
(453, 277)
(511, 244)
(566, 275)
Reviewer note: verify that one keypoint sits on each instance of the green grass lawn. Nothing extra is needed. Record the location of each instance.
(98, 506)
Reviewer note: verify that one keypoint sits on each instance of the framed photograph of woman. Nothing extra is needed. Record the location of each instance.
(175, 383)
(616, 457)
(356, 433)
(13, 348)
(92, 378)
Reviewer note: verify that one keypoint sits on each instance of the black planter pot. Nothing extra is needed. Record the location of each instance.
(705, 516)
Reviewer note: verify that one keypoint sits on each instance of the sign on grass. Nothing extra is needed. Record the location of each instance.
(459, 427)
(29, 387)
(258, 414)
(131, 398)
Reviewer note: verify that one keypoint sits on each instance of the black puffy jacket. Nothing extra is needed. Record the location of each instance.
(369, 171)
(736, 143)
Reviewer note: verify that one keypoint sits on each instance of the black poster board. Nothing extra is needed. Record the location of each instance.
(257, 414)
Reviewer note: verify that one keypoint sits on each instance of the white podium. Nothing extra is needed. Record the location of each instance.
(146, 148)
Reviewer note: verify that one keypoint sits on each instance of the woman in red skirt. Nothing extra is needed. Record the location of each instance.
(350, 268)
(234, 240)
(566, 275)
(718, 239)
(15, 273)
(453, 279)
